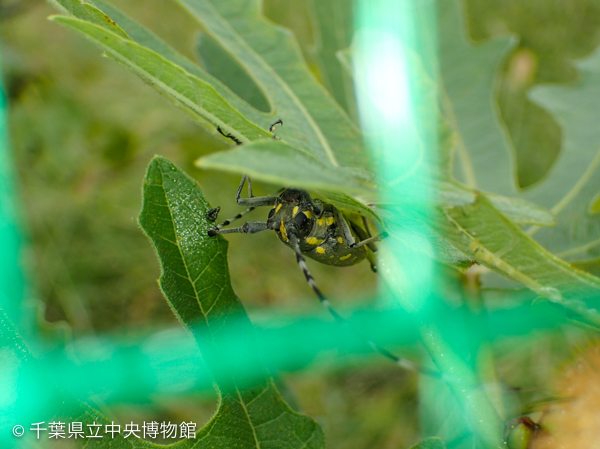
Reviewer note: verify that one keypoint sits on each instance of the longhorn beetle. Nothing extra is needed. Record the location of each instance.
(309, 227)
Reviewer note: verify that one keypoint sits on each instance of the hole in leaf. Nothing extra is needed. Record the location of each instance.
(223, 66)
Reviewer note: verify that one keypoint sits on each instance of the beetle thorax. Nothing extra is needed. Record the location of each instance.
(294, 211)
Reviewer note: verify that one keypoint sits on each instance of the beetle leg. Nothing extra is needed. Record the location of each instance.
(341, 220)
(405, 363)
(253, 202)
(311, 281)
(370, 240)
(250, 227)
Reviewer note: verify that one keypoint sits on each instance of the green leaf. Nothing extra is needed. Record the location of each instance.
(224, 68)
(572, 186)
(519, 436)
(195, 281)
(594, 206)
(430, 443)
(195, 96)
(468, 76)
(485, 235)
(347, 202)
(89, 13)
(413, 231)
(345, 58)
(520, 211)
(314, 120)
(591, 266)
(277, 162)
(333, 29)
(146, 38)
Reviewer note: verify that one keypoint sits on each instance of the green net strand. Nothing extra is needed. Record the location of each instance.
(12, 280)
(17, 387)
(396, 70)
(169, 362)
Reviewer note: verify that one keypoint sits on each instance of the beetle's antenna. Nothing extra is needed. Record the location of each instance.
(272, 127)
(405, 363)
(229, 136)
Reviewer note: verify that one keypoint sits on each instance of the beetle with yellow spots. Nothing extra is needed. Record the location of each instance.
(309, 226)
(322, 230)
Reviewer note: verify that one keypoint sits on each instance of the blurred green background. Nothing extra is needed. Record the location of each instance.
(83, 130)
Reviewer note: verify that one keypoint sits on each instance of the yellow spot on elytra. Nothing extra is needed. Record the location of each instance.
(330, 221)
(341, 240)
(347, 256)
(308, 214)
(312, 241)
(295, 211)
(282, 230)
(278, 207)
(320, 250)
(321, 221)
